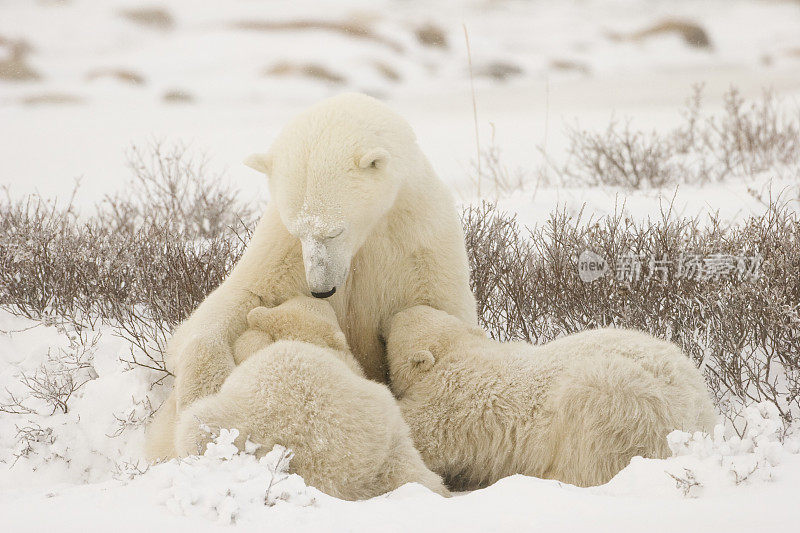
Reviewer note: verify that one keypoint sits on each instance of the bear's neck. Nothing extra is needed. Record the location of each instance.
(422, 198)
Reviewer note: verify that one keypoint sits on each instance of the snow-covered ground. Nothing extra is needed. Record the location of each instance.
(217, 76)
(575, 60)
(83, 472)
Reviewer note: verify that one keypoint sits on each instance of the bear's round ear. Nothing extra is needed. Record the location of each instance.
(422, 360)
(257, 317)
(260, 162)
(375, 158)
(477, 331)
(340, 342)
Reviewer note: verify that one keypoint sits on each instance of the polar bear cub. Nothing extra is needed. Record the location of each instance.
(290, 321)
(576, 409)
(347, 434)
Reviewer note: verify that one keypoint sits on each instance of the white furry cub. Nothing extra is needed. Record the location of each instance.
(576, 409)
(347, 434)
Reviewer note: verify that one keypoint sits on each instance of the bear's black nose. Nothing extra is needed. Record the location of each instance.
(323, 294)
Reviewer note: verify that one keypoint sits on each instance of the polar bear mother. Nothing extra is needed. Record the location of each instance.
(356, 215)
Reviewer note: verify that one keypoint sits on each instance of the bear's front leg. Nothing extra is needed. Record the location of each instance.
(202, 369)
(200, 352)
(270, 272)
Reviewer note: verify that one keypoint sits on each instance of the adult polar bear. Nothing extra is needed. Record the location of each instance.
(356, 215)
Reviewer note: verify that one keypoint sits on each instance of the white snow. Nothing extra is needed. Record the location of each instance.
(82, 470)
(226, 486)
(237, 110)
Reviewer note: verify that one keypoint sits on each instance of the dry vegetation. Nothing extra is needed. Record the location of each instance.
(692, 33)
(151, 17)
(492, 171)
(139, 264)
(146, 257)
(51, 99)
(15, 66)
(308, 70)
(177, 96)
(745, 139)
(498, 70)
(743, 331)
(348, 28)
(55, 381)
(430, 34)
(119, 74)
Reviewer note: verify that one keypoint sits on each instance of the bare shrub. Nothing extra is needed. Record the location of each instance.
(177, 96)
(309, 70)
(167, 275)
(498, 70)
(58, 378)
(387, 71)
(751, 137)
(570, 65)
(31, 270)
(136, 415)
(15, 66)
(351, 28)
(174, 192)
(429, 34)
(119, 74)
(51, 99)
(31, 438)
(127, 470)
(744, 331)
(143, 261)
(140, 264)
(745, 139)
(279, 473)
(691, 32)
(686, 483)
(152, 17)
(619, 156)
(491, 169)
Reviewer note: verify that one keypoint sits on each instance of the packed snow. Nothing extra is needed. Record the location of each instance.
(90, 78)
(82, 470)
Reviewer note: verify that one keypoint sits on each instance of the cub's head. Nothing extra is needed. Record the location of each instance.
(334, 172)
(419, 338)
(300, 319)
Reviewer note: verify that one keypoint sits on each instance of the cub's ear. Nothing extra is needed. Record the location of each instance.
(478, 331)
(340, 342)
(375, 158)
(258, 317)
(260, 162)
(422, 360)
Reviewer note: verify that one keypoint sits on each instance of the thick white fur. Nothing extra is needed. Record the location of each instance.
(347, 434)
(350, 183)
(302, 319)
(576, 409)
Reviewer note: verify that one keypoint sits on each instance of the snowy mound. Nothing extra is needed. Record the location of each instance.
(87, 462)
(225, 484)
(708, 465)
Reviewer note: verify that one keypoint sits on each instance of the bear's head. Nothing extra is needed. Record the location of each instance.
(334, 173)
(420, 337)
(300, 319)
